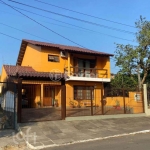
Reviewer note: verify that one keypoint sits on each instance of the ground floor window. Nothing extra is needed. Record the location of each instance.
(83, 92)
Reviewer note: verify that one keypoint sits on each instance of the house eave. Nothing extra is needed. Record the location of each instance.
(70, 78)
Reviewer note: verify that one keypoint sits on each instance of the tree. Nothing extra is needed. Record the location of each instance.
(124, 81)
(136, 59)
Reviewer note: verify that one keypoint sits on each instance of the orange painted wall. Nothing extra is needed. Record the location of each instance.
(70, 92)
(37, 57)
(3, 75)
(103, 62)
(130, 102)
(32, 57)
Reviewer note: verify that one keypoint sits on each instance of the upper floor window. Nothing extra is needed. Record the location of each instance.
(85, 67)
(85, 63)
(53, 58)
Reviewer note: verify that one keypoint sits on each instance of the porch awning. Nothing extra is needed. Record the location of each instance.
(29, 72)
(41, 82)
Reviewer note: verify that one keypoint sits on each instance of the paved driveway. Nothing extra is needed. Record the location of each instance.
(53, 133)
(40, 114)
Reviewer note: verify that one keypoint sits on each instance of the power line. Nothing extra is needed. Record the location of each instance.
(10, 36)
(93, 32)
(42, 25)
(66, 26)
(85, 21)
(74, 25)
(62, 26)
(11, 13)
(84, 14)
(23, 31)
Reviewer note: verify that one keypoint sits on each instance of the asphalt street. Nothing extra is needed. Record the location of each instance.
(131, 142)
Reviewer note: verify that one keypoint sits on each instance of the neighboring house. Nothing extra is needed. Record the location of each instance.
(113, 75)
(44, 67)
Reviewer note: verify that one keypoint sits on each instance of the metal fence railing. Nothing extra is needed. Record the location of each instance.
(148, 97)
(122, 102)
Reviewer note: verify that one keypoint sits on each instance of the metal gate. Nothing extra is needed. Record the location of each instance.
(148, 97)
(40, 102)
(90, 106)
(8, 113)
(108, 102)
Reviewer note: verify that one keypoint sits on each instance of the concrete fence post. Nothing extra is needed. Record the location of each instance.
(147, 111)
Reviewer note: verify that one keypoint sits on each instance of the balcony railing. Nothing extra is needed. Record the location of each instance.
(86, 72)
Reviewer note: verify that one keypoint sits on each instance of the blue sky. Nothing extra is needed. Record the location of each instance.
(125, 12)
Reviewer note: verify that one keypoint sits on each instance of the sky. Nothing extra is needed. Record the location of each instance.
(113, 22)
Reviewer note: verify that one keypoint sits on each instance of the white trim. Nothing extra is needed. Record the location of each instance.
(71, 78)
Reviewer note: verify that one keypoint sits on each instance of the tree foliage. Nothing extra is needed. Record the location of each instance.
(136, 59)
(124, 81)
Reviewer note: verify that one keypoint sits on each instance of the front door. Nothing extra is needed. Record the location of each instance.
(48, 95)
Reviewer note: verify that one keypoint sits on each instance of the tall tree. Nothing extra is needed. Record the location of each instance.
(136, 59)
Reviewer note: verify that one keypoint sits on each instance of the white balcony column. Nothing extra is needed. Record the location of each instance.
(68, 64)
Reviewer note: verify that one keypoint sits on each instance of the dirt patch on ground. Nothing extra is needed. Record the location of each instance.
(19, 147)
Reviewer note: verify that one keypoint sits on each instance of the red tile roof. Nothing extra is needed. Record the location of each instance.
(68, 48)
(27, 71)
(61, 47)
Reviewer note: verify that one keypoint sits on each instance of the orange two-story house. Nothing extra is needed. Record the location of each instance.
(44, 67)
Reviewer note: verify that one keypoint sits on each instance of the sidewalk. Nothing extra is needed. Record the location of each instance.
(8, 140)
(55, 133)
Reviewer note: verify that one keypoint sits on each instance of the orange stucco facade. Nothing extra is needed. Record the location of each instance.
(3, 75)
(37, 57)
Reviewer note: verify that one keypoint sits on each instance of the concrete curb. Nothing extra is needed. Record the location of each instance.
(105, 117)
(83, 141)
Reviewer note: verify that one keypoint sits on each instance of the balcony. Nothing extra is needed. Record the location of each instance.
(86, 74)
